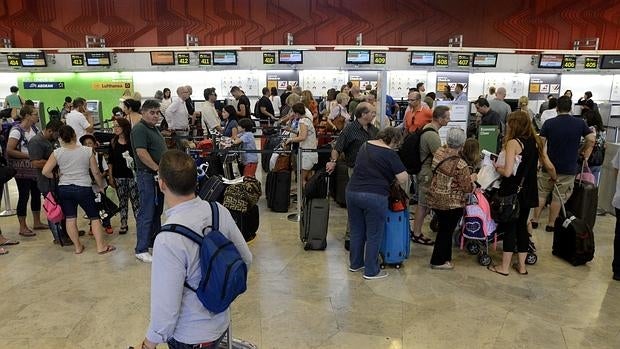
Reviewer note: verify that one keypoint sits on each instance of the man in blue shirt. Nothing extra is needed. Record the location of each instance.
(562, 136)
(178, 318)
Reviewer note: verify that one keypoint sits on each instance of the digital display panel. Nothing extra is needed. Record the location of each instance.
(162, 58)
(422, 58)
(550, 61)
(33, 59)
(97, 59)
(485, 60)
(358, 57)
(290, 57)
(224, 58)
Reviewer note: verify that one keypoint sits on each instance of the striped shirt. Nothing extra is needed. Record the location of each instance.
(351, 139)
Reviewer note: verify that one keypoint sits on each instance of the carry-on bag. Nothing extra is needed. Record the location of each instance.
(584, 201)
(573, 239)
(314, 220)
(272, 143)
(247, 222)
(395, 246)
(278, 191)
(339, 184)
(211, 189)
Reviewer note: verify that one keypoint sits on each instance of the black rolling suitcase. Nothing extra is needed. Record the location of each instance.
(314, 220)
(583, 202)
(278, 191)
(247, 222)
(272, 143)
(339, 183)
(573, 239)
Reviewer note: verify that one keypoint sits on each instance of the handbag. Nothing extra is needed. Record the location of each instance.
(339, 121)
(6, 172)
(23, 168)
(585, 175)
(506, 208)
(108, 207)
(52, 209)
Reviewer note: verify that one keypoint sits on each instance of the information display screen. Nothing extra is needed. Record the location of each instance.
(358, 57)
(162, 58)
(485, 60)
(463, 60)
(379, 58)
(224, 58)
(33, 59)
(13, 60)
(182, 58)
(550, 61)
(442, 59)
(290, 57)
(422, 58)
(610, 62)
(569, 62)
(97, 59)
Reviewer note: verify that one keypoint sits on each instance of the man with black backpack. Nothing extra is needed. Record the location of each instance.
(429, 143)
(199, 242)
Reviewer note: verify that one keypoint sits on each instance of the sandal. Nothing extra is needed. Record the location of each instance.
(40, 227)
(9, 242)
(492, 268)
(108, 249)
(28, 233)
(123, 230)
(421, 239)
(3, 251)
(515, 266)
(81, 250)
(534, 224)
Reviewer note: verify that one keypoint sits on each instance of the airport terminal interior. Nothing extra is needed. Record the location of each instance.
(108, 52)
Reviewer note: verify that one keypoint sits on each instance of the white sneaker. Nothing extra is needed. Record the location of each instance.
(144, 257)
(379, 275)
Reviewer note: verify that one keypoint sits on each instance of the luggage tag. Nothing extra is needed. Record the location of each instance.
(568, 221)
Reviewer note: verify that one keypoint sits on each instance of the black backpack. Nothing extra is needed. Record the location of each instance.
(409, 151)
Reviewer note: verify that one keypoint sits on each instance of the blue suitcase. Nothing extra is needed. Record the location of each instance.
(396, 244)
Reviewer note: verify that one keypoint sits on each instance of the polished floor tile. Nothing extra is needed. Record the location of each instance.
(308, 299)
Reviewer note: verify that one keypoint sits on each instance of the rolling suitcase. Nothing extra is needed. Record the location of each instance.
(247, 222)
(314, 222)
(396, 243)
(272, 143)
(583, 202)
(212, 189)
(278, 191)
(573, 239)
(339, 184)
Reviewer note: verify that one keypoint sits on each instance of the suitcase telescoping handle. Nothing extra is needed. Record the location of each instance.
(556, 189)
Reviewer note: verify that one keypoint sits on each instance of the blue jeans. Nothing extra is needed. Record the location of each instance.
(174, 344)
(148, 220)
(70, 196)
(367, 223)
(596, 171)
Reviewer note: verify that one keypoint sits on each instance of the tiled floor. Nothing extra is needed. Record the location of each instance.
(52, 298)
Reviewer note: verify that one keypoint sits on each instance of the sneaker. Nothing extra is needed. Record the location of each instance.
(355, 270)
(445, 266)
(109, 230)
(382, 274)
(144, 257)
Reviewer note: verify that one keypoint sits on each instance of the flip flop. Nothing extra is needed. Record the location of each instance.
(515, 266)
(108, 249)
(28, 233)
(492, 268)
(422, 240)
(9, 243)
(40, 227)
(3, 251)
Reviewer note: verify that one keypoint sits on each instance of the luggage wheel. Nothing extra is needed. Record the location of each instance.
(531, 258)
(484, 259)
(472, 247)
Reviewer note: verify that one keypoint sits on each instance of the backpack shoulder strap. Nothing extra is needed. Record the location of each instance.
(215, 216)
(444, 160)
(183, 230)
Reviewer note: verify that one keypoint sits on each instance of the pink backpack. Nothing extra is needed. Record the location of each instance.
(477, 221)
(52, 209)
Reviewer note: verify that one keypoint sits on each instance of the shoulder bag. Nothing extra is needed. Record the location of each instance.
(506, 208)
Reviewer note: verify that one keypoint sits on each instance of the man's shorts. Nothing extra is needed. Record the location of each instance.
(565, 185)
(423, 184)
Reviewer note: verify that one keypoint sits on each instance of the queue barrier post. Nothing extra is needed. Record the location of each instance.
(8, 211)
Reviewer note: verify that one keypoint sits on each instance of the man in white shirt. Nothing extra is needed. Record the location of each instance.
(209, 119)
(177, 117)
(461, 97)
(80, 123)
(502, 108)
(549, 113)
(177, 315)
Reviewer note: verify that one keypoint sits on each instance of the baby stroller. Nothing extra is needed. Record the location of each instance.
(479, 230)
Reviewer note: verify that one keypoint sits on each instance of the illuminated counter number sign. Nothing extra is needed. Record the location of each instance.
(13, 60)
(441, 59)
(591, 63)
(183, 58)
(463, 60)
(569, 62)
(269, 58)
(204, 58)
(379, 58)
(77, 60)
